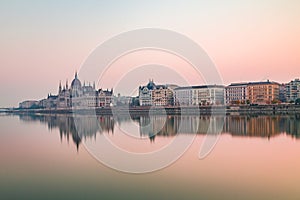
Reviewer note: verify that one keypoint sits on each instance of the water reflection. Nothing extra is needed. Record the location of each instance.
(87, 126)
(249, 126)
(263, 126)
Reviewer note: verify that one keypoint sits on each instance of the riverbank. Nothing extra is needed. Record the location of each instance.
(191, 110)
(264, 109)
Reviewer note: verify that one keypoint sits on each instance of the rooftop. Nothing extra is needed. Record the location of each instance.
(200, 86)
(238, 84)
(263, 83)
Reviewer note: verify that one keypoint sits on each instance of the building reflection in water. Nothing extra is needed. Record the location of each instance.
(240, 125)
(86, 126)
(263, 126)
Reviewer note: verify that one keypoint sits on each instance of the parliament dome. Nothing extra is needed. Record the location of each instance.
(76, 82)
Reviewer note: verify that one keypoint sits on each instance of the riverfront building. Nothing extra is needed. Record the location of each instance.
(292, 90)
(145, 93)
(77, 96)
(266, 92)
(237, 93)
(199, 95)
(156, 95)
(282, 93)
(84, 95)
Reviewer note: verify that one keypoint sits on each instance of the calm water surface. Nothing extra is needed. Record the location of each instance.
(43, 157)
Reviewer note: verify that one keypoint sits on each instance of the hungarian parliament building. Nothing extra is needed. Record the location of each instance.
(77, 96)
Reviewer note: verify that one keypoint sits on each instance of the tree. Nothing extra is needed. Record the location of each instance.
(35, 106)
(275, 101)
(135, 101)
(297, 102)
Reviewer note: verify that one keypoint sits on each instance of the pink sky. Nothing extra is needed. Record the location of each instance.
(43, 43)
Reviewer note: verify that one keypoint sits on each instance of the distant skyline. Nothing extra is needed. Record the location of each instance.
(43, 42)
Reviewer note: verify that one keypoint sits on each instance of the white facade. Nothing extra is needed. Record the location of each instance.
(145, 96)
(292, 90)
(236, 93)
(199, 95)
(183, 96)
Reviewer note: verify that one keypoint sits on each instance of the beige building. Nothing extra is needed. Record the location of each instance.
(263, 92)
(156, 95)
(162, 95)
(105, 98)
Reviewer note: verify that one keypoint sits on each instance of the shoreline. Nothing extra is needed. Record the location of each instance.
(172, 110)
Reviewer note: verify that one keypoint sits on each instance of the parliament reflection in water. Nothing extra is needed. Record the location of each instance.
(159, 126)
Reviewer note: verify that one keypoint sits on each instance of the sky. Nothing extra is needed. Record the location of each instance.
(43, 42)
